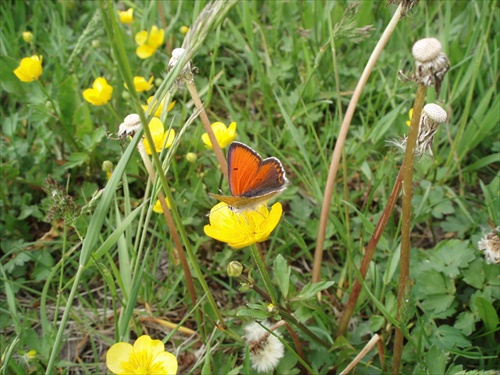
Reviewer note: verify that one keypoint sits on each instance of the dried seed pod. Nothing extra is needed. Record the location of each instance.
(431, 64)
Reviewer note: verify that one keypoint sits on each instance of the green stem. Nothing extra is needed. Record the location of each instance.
(369, 253)
(404, 262)
(57, 342)
(263, 271)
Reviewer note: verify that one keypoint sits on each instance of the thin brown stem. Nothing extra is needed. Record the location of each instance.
(208, 127)
(404, 261)
(171, 225)
(339, 145)
(369, 252)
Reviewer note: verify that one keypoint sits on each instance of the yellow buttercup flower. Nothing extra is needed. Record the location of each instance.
(100, 93)
(410, 115)
(146, 357)
(148, 43)
(242, 229)
(159, 110)
(126, 16)
(161, 138)
(27, 36)
(223, 134)
(157, 207)
(184, 30)
(29, 69)
(141, 84)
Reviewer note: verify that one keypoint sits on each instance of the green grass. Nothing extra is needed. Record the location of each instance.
(269, 67)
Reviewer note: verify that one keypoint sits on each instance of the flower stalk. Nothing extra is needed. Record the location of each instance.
(206, 124)
(339, 145)
(404, 262)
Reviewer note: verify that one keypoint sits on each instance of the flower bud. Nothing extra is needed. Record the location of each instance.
(234, 269)
(28, 36)
(107, 166)
(183, 30)
(191, 157)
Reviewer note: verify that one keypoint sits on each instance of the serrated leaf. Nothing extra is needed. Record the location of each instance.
(486, 312)
(435, 360)
(447, 338)
(474, 274)
(282, 273)
(310, 290)
(465, 323)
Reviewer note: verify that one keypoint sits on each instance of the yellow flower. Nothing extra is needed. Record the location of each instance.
(184, 30)
(157, 207)
(126, 16)
(146, 357)
(100, 93)
(28, 36)
(161, 138)
(29, 69)
(148, 43)
(223, 134)
(242, 229)
(159, 110)
(141, 84)
(410, 114)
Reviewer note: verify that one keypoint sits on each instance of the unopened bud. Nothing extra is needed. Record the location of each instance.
(234, 269)
(107, 166)
(191, 157)
(28, 36)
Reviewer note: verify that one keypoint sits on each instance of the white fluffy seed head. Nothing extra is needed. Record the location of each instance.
(490, 244)
(435, 113)
(426, 49)
(176, 55)
(129, 126)
(266, 350)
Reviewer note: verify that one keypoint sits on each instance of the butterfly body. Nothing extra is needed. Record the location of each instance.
(252, 180)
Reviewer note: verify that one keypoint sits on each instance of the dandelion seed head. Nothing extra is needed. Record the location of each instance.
(490, 244)
(266, 350)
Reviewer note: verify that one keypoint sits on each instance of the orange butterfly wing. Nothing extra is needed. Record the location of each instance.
(250, 176)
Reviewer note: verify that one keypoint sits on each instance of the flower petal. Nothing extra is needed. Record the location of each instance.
(168, 361)
(118, 354)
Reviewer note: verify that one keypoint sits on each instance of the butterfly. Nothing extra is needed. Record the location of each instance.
(252, 180)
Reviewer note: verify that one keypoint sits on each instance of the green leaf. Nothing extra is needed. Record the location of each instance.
(454, 254)
(76, 159)
(254, 314)
(435, 360)
(68, 102)
(487, 313)
(448, 338)
(9, 81)
(465, 322)
(207, 366)
(310, 290)
(282, 273)
(474, 275)
(376, 323)
(83, 121)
